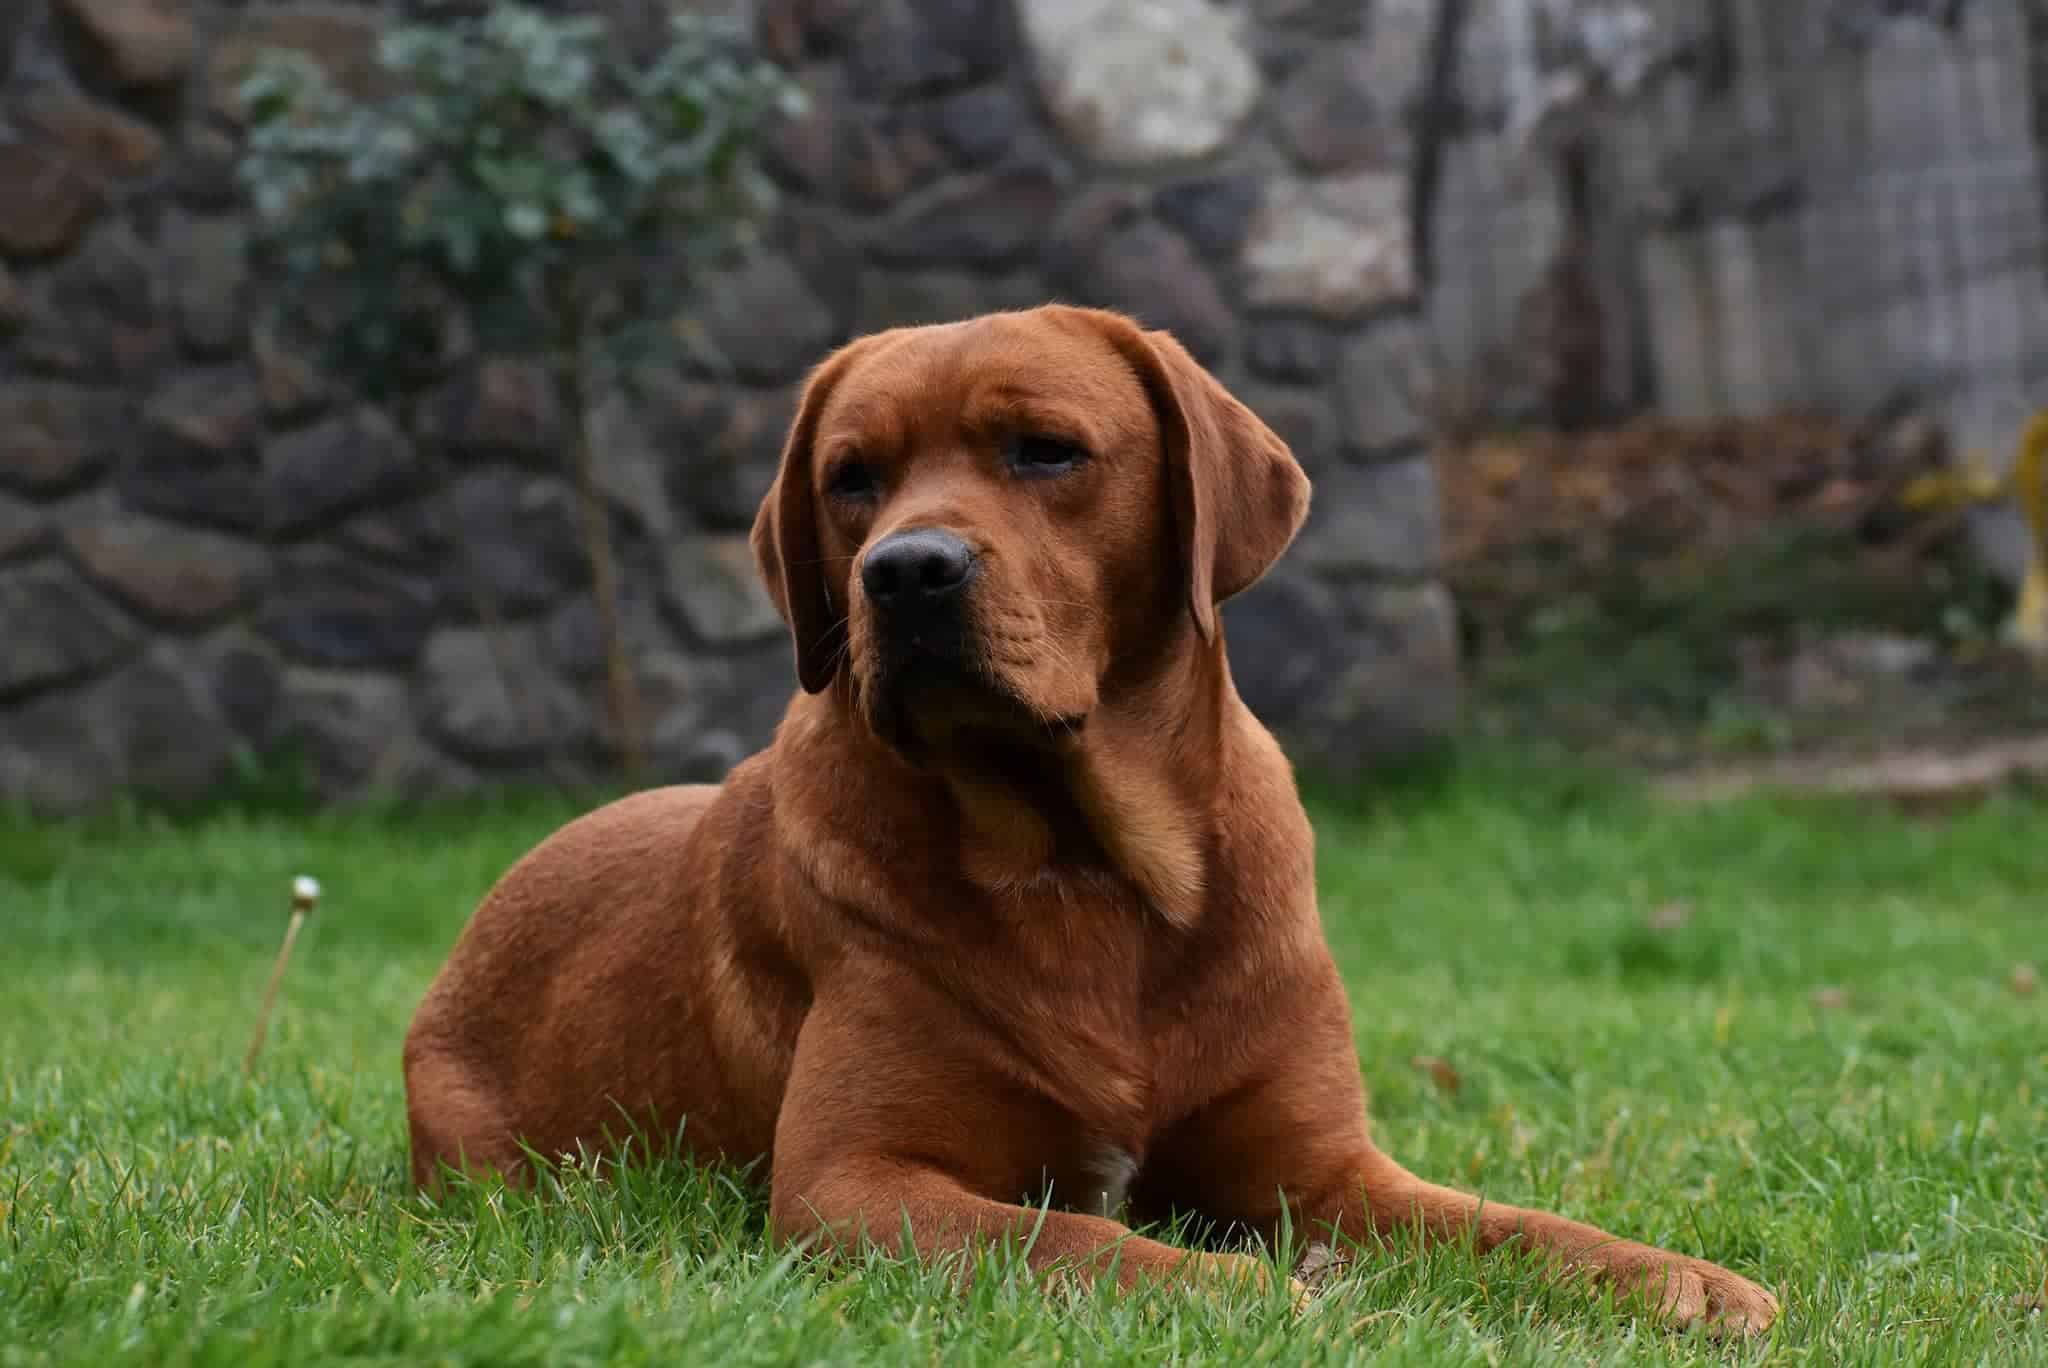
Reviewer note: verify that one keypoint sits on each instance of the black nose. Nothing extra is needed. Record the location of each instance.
(920, 569)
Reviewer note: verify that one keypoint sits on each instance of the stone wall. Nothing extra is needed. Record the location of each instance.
(1369, 216)
(1753, 206)
(207, 548)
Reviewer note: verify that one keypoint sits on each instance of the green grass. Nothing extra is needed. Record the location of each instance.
(1883, 1165)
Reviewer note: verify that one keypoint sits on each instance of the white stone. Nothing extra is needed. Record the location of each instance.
(1137, 82)
(1338, 246)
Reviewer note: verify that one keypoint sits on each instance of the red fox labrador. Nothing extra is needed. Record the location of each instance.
(1012, 930)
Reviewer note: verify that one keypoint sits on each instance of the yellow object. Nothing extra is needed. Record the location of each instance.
(2028, 486)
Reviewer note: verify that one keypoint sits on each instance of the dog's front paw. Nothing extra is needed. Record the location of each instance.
(1692, 1292)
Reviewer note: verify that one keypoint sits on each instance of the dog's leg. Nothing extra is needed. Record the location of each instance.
(897, 1140)
(876, 1200)
(1686, 1291)
(455, 1123)
(1302, 1132)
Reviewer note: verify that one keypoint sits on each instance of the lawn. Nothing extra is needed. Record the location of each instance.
(1788, 1038)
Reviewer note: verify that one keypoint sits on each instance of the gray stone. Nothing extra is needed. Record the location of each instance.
(1281, 635)
(244, 682)
(52, 756)
(517, 541)
(763, 322)
(12, 21)
(1321, 18)
(287, 372)
(705, 758)
(327, 610)
(1301, 418)
(1398, 691)
(723, 479)
(1380, 387)
(1338, 247)
(52, 220)
(209, 282)
(1346, 677)
(500, 408)
(712, 583)
(71, 150)
(173, 576)
(1085, 224)
(708, 712)
(197, 459)
(412, 535)
(1495, 230)
(340, 464)
(95, 316)
(829, 258)
(1397, 52)
(1383, 520)
(204, 176)
(572, 637)
(629, 465)
(1213, 212)
(23, 530)
(1330, 121)
(897, 299)
(139, 43)
(1294, 351)
(353, 731)
(978, 32)
(902, 47)
(791, 30)
(490, 698)
(838, 149)
(96, 140)
(1141, 84)
(1728, 333)
(217, 411)
(980, 126)
(56, 436)
(56, 629)
(341, 39)
(168, 741)
(986, 222)
(1150, 272)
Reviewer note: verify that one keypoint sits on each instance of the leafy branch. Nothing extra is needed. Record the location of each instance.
(520, 179)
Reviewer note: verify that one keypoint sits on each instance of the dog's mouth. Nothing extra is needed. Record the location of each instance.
(928, 690)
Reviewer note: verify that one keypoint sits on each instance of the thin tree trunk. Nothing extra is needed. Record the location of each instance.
(622, 686)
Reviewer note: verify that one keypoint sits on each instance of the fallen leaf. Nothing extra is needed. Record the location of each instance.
(1317, 1263)
(1671, 916)
(2025, 979)
(1829, 998)
(1440, 1070)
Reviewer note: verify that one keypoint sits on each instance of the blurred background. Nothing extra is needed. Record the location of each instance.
(392, 414)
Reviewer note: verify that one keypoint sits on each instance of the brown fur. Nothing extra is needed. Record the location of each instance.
(941, 946)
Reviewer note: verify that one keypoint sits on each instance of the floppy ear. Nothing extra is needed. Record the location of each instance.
(785, 535)
(1238, 495)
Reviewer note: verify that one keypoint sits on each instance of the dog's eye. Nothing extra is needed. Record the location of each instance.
(852, 480)
(1039, 455)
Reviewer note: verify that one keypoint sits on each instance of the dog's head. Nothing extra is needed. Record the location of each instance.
(983, 524)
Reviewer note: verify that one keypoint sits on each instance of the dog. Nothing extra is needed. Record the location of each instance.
(1011, 933)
